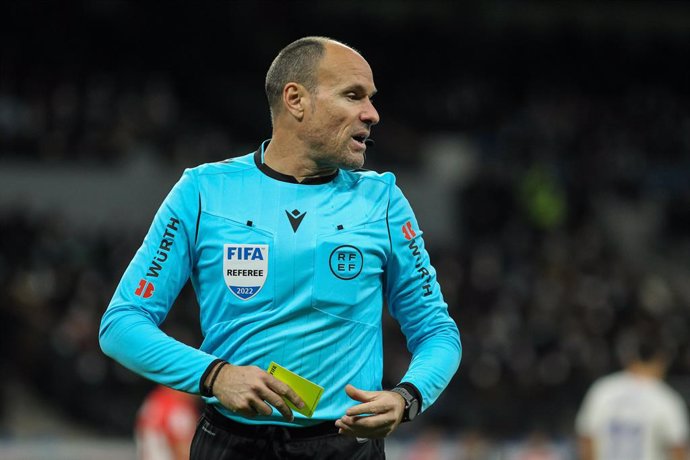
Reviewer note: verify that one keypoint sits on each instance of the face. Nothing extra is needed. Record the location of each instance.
(342, 113)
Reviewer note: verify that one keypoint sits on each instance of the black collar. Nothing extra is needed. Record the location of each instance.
(264, 168)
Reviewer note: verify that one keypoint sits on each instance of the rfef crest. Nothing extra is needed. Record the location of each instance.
(346, 262)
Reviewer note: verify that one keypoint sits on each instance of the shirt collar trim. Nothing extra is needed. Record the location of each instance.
(272, 173)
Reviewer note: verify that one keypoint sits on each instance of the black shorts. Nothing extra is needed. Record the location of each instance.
(219, 438)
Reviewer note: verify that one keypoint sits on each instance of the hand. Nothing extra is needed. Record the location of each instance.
(386, 409)
(247, 390)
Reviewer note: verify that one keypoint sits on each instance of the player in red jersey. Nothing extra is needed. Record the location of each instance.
(165, 425)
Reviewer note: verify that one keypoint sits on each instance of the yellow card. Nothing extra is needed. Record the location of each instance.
(308, 391)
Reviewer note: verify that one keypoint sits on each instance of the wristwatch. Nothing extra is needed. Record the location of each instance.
(411, 403)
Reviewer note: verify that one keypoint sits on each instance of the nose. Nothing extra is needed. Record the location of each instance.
(369, 114)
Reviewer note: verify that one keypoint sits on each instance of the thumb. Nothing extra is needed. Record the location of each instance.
(359, 395)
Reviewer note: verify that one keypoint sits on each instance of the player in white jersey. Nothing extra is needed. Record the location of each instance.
(633, 414)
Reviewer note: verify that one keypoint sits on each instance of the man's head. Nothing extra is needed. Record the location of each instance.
(643, 350)
(297, 62)
(320, 94)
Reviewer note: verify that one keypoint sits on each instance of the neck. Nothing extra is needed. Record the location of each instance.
(650, 370)
(287, 155)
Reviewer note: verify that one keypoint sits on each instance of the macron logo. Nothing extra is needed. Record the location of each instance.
(295, 218)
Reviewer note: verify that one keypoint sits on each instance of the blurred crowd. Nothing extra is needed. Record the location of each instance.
(102, 118)
(572, 230)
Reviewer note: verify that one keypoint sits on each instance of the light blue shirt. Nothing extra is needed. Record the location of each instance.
(295, 273)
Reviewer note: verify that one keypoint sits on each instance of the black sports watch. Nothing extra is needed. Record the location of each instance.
(411, 403)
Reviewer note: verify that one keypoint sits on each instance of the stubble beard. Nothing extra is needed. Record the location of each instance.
(340, 157)
(352, 160)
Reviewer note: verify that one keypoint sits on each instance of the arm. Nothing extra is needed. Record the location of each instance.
(585, 448)
(415, 300)
(130, 331)
(679, 452)
(585, 421)
(676, 429)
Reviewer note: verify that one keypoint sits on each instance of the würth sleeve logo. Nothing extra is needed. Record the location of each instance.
(245, 268)
(163, 248)
(424, 273)
(408, 231)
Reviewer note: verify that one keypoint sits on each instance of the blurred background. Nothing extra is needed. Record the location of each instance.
(545, 147)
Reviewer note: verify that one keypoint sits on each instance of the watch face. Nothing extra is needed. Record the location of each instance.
(413, 410)
(411, 403)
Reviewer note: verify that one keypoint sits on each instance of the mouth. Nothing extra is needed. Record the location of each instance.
(360, 140)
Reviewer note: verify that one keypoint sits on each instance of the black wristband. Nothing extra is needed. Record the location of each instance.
(215, 367)
(215, 376)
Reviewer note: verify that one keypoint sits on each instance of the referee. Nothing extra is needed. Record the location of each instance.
(292, 251)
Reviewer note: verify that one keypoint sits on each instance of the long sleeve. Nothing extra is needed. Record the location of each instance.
(415, 301)
(129, 331)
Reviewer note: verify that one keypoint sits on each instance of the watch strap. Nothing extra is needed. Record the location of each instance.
(413, 391)
(413, 400)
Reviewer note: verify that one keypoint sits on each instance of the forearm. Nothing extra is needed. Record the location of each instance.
(137, 343)
(433, 364)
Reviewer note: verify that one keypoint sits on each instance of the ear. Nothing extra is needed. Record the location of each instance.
(295, 99)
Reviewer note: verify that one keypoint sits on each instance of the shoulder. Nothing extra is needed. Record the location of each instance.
(228, 166)
(669, 393)
(609, 383)
(366, 189)
(367, 178)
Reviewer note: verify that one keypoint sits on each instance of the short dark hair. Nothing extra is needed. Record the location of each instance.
(297, 62)
(644, 341)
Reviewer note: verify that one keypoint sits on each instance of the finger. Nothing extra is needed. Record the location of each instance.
(284, 390)
(278, 402)
(367, 422)
(267, 394)
(248, 411)
(260, 407)
(363, 409)
(349, 433)
(347, 422)
(359, 395)
(372, 426)
(363, 432)
(344, 429)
